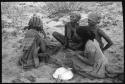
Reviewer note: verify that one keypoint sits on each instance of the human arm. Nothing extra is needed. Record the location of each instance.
(77, 46)
(42, 31)
(85, 60)
(26, 27)
(66, 37)
(42, 44)
(107, 38)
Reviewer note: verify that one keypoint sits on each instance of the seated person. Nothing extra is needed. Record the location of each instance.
(93, 55)
(70, 39)
(93, 20)
(41, 30)
(34, 46)
(93, 46)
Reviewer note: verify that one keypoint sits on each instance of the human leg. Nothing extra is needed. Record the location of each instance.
(43, 57)
(97, 57)
(59, 37)
(93, 57)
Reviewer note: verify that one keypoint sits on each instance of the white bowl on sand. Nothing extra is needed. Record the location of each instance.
(63, 73)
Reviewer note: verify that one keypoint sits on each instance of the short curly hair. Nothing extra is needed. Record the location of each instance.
(77, 15)
(95, 17)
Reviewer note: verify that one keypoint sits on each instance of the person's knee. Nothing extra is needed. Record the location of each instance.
(55, 34)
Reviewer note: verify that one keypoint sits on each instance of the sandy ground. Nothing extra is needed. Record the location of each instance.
(11, 72)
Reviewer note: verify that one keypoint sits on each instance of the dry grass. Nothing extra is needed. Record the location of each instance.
(11, 50)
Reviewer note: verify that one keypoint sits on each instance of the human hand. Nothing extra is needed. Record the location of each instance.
(45, 37)
(74, 48)
(103, 49)
(64, 47)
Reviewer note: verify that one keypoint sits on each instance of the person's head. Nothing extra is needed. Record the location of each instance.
(74, 17)
(35, 23)
(93, 19)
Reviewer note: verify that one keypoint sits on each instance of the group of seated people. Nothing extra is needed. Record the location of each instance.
(87, 39)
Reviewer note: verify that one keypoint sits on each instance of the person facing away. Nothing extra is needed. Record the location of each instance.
(34, 46)
(41, 30)
(70, 39)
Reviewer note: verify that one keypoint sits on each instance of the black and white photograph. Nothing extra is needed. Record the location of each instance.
(62, 42)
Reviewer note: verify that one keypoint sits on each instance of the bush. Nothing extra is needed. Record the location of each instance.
(3, 23)
(12, 11)
(4, 35)
(111, 13)
(14, 33)
(54, 9)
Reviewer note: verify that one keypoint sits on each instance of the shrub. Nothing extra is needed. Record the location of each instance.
(111, 13)
(4, 35)
(14, 33)
(54, 9)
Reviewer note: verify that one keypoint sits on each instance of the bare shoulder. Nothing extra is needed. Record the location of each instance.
(100, 31)
(67, 24)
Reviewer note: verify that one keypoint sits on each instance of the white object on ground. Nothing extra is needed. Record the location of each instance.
(63, 74)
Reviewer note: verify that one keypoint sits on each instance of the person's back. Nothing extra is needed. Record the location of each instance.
(37, 22)
(32, 43)
(30, 49)
(33, 34)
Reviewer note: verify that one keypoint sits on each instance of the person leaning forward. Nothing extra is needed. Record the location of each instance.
(34, 46)
(41, 30)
